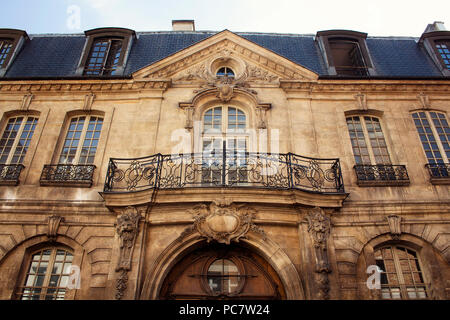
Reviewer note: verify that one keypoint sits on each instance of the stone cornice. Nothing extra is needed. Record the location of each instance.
(89, 86)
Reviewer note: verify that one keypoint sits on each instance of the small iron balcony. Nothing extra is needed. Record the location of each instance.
(10, 173)
(439, 173)
(67, 175)
(225, 169)
(381, 175)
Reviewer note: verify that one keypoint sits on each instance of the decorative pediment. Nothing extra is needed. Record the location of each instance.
(254, 63)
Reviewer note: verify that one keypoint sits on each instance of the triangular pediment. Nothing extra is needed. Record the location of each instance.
(196, 63)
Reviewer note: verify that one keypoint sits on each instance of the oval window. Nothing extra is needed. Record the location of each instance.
(223, 276)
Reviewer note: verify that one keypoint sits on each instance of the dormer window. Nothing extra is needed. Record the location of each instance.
(347, 57)
(11, 41)
(443, 48)
(436, 41)
(345, 52)
(104, 57)
(5, 50)
(225, 72)
(106, 52)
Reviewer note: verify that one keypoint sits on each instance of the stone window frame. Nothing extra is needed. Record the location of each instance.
(18, 38)
(428, 41)
(127, 35)
(323, 38)
(373, 114)
(52, 259)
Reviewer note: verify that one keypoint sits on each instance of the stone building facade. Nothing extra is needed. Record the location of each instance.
(222, 165)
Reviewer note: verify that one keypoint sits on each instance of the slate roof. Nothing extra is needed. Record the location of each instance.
(57, 56)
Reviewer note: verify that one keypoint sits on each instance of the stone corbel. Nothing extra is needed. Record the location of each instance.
(261, 110)
(26, 101)
(189, 109)
(53, 223)
(127, 228)
(88, 101)
(319, 226)
(361, 101)
(424, 101)
(394, 226)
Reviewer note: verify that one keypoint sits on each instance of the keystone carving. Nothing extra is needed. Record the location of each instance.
(223, 221)
(88, 101)
(127, 228)
(26, 101)
(53, 223)
(361, 101)
(424, 101)
(319, 226)
(394, 226)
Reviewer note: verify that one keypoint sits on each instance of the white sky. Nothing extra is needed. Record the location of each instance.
(376, 17)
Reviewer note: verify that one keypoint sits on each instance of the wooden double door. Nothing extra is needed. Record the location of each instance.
(222, 272)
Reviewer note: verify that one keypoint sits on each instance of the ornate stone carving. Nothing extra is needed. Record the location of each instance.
(223, 221)
(319, 226)
(394, 226)
(127, 228)
(53, 223)
(261, 111)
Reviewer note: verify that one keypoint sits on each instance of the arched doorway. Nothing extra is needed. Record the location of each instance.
(222, 272)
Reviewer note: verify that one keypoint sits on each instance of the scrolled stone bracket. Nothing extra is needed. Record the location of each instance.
(319, 226)
(127, 228)
(53, 223)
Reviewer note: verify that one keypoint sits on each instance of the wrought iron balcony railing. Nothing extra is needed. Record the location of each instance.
(439, 172)
(67, 175)
(225, 169)
(10, 173)
(381, 175)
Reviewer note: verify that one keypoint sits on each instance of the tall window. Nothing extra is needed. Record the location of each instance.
(401, 276)
(368, 143)
(47, 275)
(434, 133)
(443, 48)
(104, 57)
(5, 50)
(81, 142)
(224, 127)
(347, 57)
(16, 139)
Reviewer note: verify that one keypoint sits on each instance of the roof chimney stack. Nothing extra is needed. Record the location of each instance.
(435, 26)
(183, 25)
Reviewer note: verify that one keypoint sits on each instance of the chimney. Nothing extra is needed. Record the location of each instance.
(435, 26)
(183, 25)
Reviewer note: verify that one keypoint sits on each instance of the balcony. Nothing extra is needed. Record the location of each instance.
(9, 174)
(225, 170)
(67, 175)
(439, 173)
(381, 175)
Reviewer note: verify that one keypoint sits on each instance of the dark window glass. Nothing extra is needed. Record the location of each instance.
(347, 57)
(443, 48)
(5, 50)
(104, 57)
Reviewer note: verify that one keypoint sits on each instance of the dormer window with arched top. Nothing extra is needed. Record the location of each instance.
(345, 53)
(106, 52)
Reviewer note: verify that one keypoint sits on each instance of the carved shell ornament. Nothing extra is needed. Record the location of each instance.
(223, 221)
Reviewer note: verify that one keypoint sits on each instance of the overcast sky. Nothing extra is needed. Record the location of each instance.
(376, 17)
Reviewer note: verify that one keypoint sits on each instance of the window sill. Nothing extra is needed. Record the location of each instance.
(440, 181)
(70, 184)
(383, 183)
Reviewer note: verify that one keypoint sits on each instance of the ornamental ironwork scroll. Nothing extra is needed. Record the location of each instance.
(225, 169)
(319, 226)
(127, 228)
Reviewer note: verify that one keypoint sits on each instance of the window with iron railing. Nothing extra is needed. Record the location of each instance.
(14, 144)
(434, 134)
